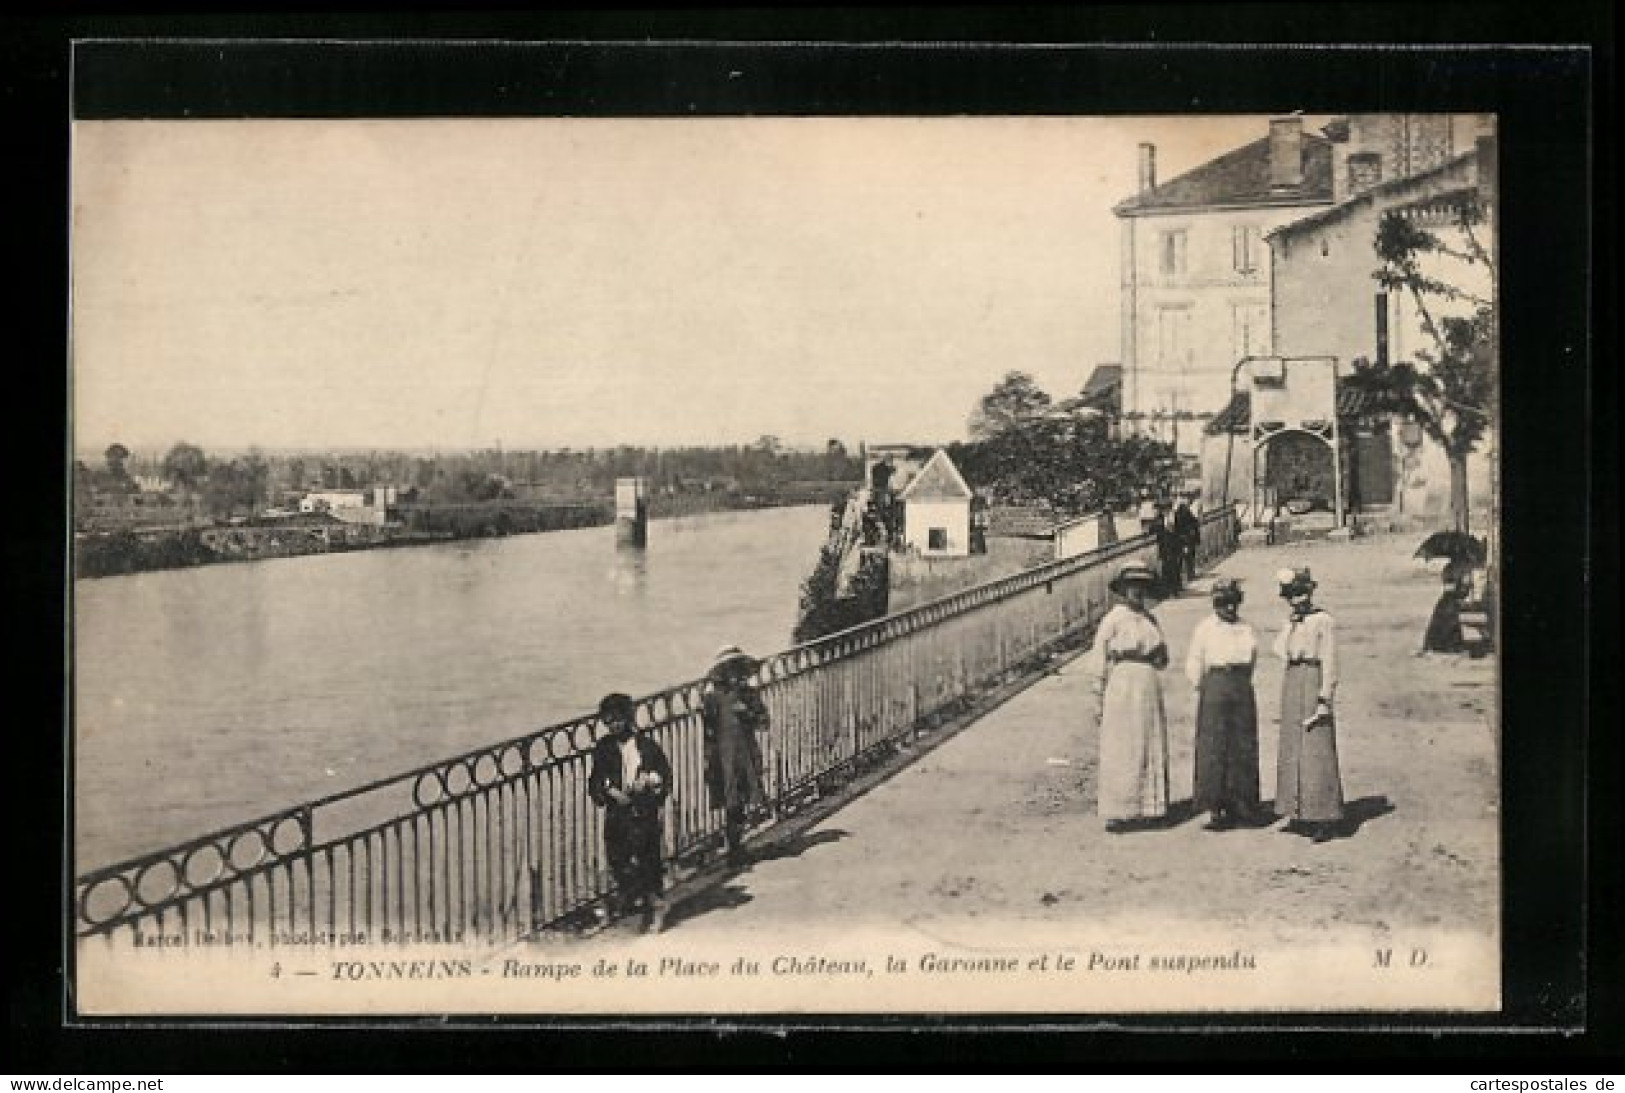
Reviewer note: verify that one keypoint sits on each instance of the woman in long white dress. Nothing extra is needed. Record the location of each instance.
(1129, 652)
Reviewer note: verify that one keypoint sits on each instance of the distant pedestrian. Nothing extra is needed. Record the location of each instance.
(1444, 634)
(1170, 554)
(733, 713)
(1219, 664)
(1188, 534)
(1308, 783)
(1148, 512)
(630, 780)
(1129, 652)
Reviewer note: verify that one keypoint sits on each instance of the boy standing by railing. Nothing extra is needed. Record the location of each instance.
(630, 780)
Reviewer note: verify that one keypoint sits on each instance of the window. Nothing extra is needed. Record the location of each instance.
(1245, 247)
(1171, 253)
(937, 539)
(1174, 336)
(1250, 324)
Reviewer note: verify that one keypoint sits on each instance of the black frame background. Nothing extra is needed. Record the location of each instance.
(1559, 472)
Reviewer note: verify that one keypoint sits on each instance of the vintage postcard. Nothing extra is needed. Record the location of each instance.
(1021, 565)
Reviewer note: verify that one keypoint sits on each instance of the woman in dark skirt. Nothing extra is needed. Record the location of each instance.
(1444, 627)
(1219, 664)
(733, 714)
(1308, 784)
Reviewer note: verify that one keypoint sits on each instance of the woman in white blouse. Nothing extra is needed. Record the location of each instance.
(1219, 664)
(1308, 785)
(1129, 652)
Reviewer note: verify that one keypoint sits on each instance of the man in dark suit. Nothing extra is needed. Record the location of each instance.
(1188, 536)
(630, 780)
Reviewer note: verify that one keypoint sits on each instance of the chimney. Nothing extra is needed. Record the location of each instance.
(1148, 168)
(1286, 153)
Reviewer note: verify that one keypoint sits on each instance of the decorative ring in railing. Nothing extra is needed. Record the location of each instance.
(116, 893)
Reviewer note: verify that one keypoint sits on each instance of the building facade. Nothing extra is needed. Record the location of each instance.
(937, 510)
(1326, 301)
(1199, 291)
(1195, 275)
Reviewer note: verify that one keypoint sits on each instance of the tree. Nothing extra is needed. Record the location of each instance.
(1449, 391)
(1014, 399)
(84, 491)
(837, 465)
(114, 477)
(185, 466)
(1072, 464)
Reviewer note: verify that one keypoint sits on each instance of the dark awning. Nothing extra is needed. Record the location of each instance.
(1352, 403)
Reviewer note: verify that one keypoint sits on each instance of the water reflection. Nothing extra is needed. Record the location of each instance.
(630, 574)
(205, 696)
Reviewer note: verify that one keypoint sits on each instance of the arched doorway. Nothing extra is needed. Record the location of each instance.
(1296, 471)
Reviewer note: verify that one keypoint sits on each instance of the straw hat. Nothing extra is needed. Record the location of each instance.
(1132, 573)
(1295, 582)
(731, 658)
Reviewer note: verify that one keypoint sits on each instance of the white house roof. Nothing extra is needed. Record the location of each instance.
(938, 480)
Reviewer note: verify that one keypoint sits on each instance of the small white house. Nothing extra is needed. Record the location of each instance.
(936, 510)
(332, 500)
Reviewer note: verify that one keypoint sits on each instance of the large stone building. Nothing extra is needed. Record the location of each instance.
(1198, 286)
(1325, 303)
(1196, 274)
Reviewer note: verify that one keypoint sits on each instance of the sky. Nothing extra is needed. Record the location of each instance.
(546, 283)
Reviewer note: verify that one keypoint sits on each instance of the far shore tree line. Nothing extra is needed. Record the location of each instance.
(191, 484)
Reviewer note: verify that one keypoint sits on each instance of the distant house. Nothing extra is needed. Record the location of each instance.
(937, 510)
(332, 500)
(896, 464)
(1103, 391)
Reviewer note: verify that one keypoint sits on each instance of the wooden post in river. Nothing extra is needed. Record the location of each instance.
(631, 512)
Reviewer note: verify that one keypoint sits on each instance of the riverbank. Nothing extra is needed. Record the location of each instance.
(124, 551)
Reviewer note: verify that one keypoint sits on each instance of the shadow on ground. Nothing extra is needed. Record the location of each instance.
(729, 895)
(719, 897)
(1357, 813)
(799, 844)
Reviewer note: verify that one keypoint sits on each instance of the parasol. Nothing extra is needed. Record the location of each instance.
(1456, 545)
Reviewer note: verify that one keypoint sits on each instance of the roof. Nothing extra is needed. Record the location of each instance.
(1241, 177)
(938, 480)
(1104, 379)
(1020, 522)
(1351, 403)
(1390, 190)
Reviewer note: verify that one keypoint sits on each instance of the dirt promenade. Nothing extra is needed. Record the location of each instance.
(991, 843)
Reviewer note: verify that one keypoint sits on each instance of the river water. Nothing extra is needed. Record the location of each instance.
(207, 696)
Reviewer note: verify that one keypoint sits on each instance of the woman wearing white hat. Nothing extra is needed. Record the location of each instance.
(733, 713)
(1129, 652)
(1308, 784)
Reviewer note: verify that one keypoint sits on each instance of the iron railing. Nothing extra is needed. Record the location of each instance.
(503, 840)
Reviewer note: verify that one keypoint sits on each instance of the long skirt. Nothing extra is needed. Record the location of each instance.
(1133, 745)
(1444, 628)
(1307, 783)
(1227, 742)
(733, 769)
